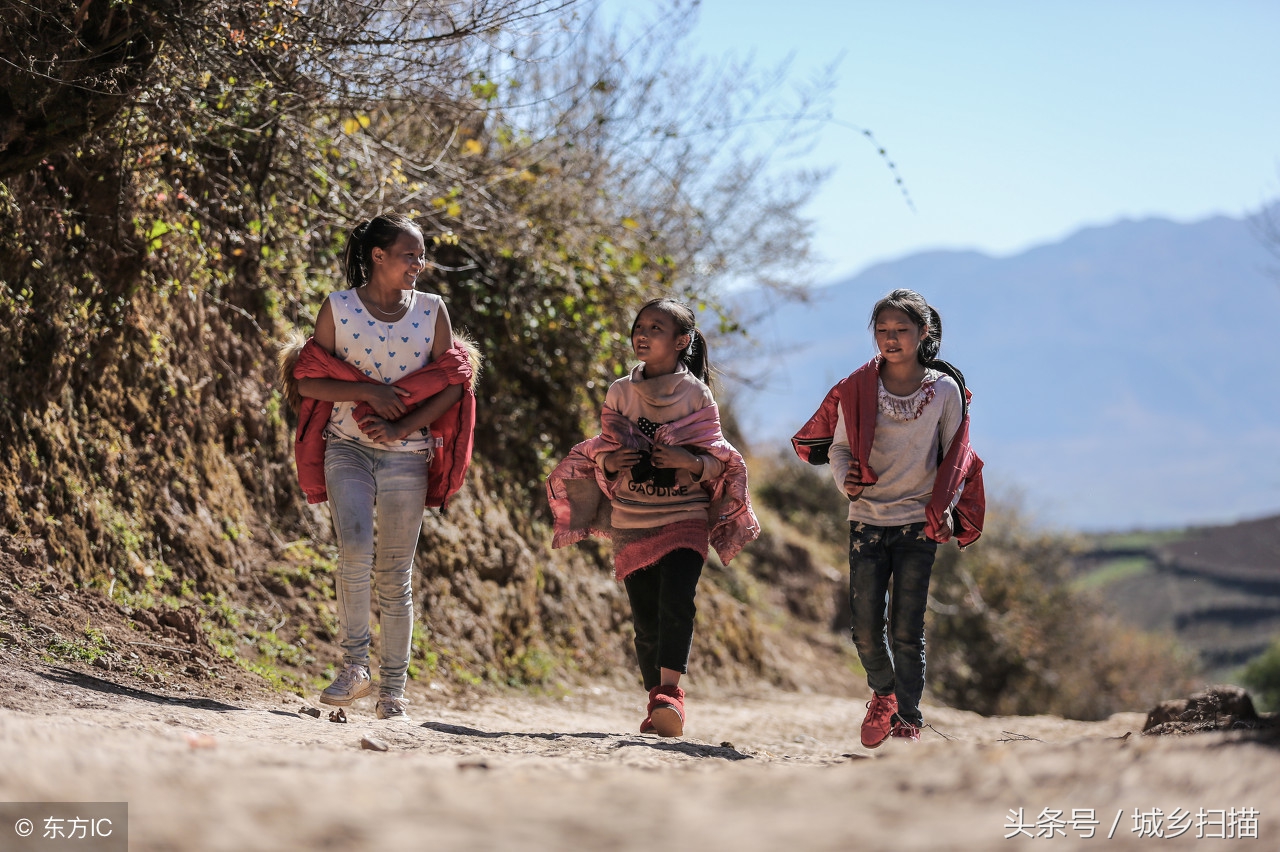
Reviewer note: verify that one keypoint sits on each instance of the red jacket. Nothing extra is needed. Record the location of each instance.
(455, 427)
(856, 395)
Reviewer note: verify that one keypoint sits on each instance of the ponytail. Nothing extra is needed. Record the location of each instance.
(696, 358)
(931, 343)
(353, 259)
(379, 232)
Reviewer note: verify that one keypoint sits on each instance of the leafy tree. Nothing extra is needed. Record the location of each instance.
(185, 210)
(613, 170)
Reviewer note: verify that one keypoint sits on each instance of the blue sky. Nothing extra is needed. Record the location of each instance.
(1015, 124)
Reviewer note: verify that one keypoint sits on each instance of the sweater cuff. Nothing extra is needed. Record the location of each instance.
(600, 464)
(712, 467)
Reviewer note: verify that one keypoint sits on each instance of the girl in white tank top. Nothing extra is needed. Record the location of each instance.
(384, 351)
(376, 468)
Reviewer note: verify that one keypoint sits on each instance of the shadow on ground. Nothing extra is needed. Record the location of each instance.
(723, 752)
(68, 677)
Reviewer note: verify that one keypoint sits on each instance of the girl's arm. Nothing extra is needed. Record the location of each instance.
(952, 414)
(382, 429)
(703, 466)
(443, 340)
(613, 462)
(384, 399)
(844, 467)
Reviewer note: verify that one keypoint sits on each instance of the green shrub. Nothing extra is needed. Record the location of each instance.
(1262, 677)
(1009, 636)
(803, 495)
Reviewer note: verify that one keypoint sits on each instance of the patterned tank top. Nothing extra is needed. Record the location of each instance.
(384, 351)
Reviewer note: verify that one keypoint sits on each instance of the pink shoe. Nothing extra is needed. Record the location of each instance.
(666, 711)
(879, 721)
(905, 731)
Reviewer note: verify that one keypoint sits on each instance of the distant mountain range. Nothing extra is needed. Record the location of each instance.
(1123, 377)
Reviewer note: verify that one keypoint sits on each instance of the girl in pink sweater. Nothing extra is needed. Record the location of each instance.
(662, 482)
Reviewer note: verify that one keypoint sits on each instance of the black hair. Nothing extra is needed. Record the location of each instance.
(695, 357)
(379, 232)
(923, 314)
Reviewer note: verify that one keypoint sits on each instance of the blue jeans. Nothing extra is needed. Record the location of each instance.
(889, 570)
(369, 487)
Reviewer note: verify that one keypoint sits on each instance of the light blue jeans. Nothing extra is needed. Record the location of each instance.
(370, 487)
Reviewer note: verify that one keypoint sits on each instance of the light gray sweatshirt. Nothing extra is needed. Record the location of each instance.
(912, 433)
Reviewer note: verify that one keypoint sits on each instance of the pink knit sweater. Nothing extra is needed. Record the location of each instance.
(582, 497)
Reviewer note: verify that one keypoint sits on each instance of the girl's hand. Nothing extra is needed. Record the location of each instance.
(665, 455)
(615, 461)
(383, 431)
(853, 479)
(386, 400)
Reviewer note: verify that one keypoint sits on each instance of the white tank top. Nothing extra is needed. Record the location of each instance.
(384, 351)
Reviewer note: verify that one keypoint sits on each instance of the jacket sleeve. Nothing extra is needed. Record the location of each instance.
(456, 427)
(970, 512)
(579, 495)
(813, 442)
(959, 474)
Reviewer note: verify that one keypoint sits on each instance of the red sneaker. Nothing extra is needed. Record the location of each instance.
(879, 720)
(666, 711)
(905, 731)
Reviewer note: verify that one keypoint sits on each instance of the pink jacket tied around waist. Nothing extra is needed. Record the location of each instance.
(579, 492)
(455, 427)
(959, 472)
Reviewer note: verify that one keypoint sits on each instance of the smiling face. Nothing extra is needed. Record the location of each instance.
(399, 264)
(657, 341)
(897, 337)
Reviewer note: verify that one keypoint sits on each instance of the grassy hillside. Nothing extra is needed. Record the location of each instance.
(154, 255)
(1216, 588)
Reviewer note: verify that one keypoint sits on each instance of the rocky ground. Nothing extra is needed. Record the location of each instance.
(216, 767)
(104, 704)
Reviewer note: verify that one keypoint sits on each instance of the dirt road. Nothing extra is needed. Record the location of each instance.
(770, 771)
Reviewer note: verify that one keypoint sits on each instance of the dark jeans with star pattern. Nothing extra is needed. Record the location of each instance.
(889, 570)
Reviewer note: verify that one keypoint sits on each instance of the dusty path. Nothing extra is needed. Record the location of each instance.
(773, 771)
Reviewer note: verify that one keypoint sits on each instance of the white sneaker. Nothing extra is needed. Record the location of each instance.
(351, 683)
(392, 709)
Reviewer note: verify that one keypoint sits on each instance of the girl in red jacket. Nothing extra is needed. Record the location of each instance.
(898, 446)
(378, 446)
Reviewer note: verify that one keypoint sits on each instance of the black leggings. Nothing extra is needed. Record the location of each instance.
(662, 611)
